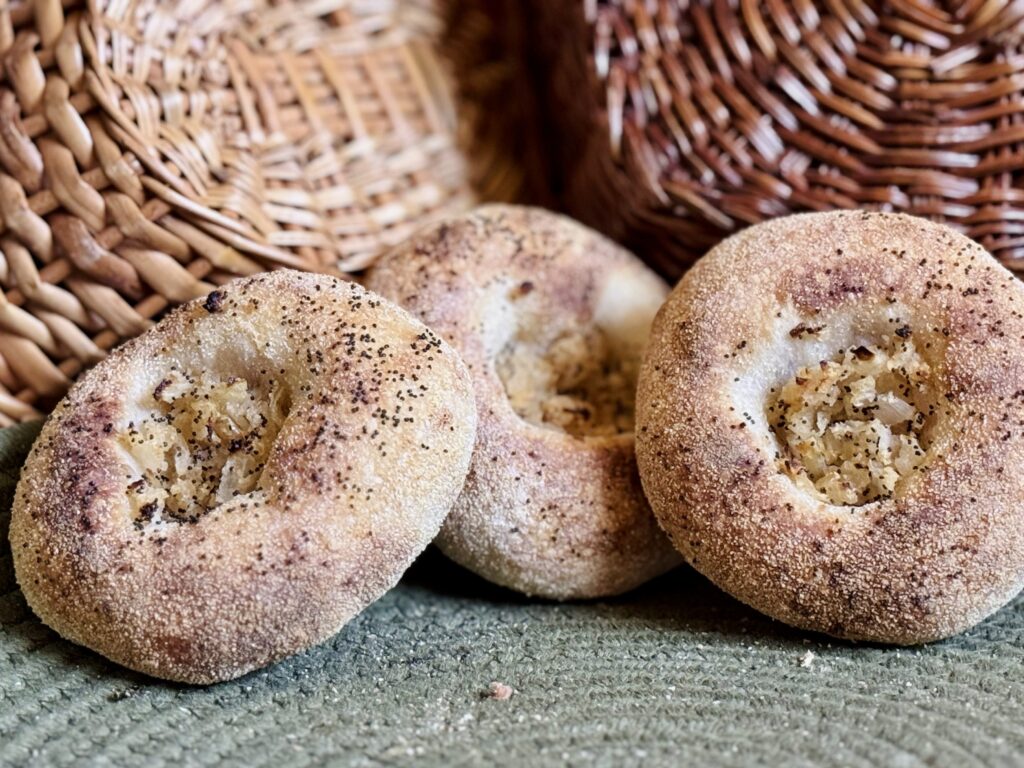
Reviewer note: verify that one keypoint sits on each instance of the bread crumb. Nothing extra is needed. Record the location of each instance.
(500, 691)
(807, 660)
(121, 695)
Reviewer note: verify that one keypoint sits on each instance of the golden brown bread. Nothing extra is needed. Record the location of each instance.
(830, 424)
(551, 320)
(236, 484)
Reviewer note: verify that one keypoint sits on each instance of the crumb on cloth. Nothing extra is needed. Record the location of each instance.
(499, 691)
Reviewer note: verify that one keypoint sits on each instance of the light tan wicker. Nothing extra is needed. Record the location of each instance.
(669, 124)
(154, 148)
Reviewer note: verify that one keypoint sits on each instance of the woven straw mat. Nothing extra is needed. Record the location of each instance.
(673, 674)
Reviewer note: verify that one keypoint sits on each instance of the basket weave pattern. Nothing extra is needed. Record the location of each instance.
(152, 150)
(672, 124)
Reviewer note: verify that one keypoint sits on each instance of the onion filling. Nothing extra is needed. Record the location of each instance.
(574, 383)
(204, 441)
(849, 429)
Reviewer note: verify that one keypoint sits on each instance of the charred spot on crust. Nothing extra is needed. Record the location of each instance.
(159, 390)
(525, 288)
(214, 302)
(803, 329)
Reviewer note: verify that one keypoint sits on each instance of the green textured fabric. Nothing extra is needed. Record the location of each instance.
(674, 674)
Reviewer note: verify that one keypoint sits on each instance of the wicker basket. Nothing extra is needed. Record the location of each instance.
(150, 150)
(671, 124)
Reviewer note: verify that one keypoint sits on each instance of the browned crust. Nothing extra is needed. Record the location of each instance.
(542, 512)
(356, 485)
(938, 557)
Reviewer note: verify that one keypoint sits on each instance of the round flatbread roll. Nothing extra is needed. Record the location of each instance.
(236, 484)
(551, 320)
(831, 425)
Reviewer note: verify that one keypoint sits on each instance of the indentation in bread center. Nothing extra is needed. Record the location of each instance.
(203, 441)
(850, 429)
(573, 380)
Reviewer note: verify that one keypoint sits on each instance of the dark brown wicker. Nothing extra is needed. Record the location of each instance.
(669, 125)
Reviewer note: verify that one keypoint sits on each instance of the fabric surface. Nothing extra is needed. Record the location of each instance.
(674, 673)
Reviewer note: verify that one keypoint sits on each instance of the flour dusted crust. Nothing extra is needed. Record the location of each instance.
(901, 336)
(236, 484)
(551, 320)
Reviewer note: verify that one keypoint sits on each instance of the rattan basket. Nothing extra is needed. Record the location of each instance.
(150, 150)
(669, 125)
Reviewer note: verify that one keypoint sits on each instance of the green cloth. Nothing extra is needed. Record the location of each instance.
(674, 674)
